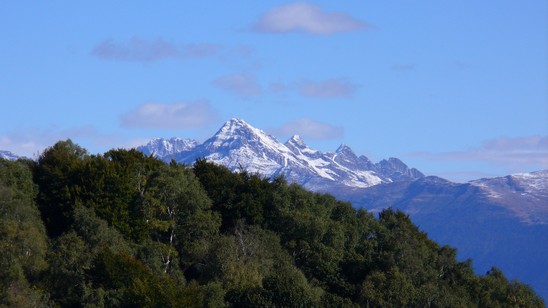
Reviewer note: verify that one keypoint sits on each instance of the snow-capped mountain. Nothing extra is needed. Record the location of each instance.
(533, 184)
(525, 194)
(166, 148)
(8, 155)
(239, 145)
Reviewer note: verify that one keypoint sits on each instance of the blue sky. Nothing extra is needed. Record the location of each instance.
(457, 89)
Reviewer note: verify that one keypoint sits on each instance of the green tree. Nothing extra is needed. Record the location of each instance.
(286, 286)
(496, 291)
(115, 187)
(69, 262)
(387, 289)
(128, 282)
(23, 241)
(178, 215)
(58, 177)
(235, 196)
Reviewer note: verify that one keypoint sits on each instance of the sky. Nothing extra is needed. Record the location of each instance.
(457, 89)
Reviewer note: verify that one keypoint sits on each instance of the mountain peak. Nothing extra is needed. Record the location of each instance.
(237, 128)
(343, 148)
(296, 138)
(236, 123)
(296, 141)
(345, 153)
(238, 144)
(296, 145)
(8, 155)
(162, 148)
(397, 170)
(238, 134)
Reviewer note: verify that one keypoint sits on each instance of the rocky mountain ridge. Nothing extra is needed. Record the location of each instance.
(8, 155)
(238, 145)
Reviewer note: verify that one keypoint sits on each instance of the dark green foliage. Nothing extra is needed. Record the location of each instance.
(495, 290)
(126, 229)
(287, 286)
(69, 261)
(178, 216)
(96, 233)
(115, 185)
(235, 196)
(23, 240)
(128, 282)
(59, 177)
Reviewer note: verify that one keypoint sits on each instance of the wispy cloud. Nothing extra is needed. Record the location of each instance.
(519, 153)
(243, 51)
(199, 50)
(32, 141)
(333, 88)
(181, 115)
(278, 87)
(530, 143)
(309, 129)
(243, 85)
(142, 50)
(308, 18)
(403, 67)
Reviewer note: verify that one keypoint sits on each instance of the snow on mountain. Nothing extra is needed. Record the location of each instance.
(8, 155)
(239, 145)
(165, 148)
(526, 194)
(533, 184)
(397, 170)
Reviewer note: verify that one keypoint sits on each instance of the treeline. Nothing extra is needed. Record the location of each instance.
(124, 229)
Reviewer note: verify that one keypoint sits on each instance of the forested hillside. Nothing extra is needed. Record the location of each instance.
(125, 229)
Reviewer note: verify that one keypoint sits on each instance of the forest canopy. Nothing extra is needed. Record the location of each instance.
(125, 229)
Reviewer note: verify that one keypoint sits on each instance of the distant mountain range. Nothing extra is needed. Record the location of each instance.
(238, 145)
(497, 221)
(8, 155)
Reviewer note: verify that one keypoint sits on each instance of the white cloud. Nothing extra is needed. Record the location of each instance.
(310, 129)
(181, 115)
(309, 18)
(332, 88)
(241, 84)
(141, 50)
